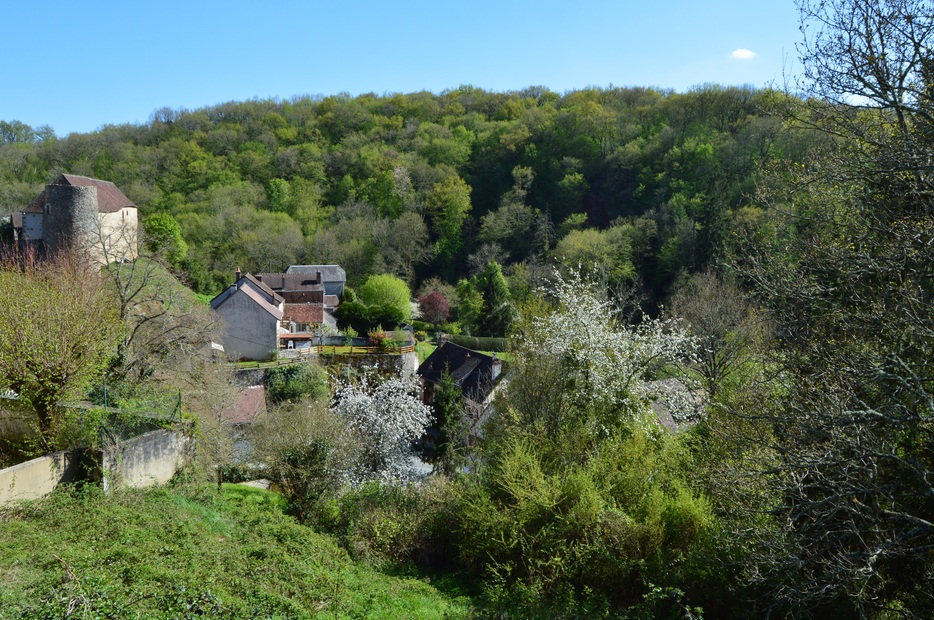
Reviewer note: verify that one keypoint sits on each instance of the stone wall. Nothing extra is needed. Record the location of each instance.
(384, 364)
(72, 216)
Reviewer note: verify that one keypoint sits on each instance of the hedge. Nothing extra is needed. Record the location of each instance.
(480, 343)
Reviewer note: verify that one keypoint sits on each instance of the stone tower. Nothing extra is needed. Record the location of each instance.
(71, 216)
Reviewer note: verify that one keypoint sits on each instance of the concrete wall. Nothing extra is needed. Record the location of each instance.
(250, 332)
(38, 477)
(143, 461)
(146, 460)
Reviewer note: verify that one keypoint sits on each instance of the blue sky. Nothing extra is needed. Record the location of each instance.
(77, 66)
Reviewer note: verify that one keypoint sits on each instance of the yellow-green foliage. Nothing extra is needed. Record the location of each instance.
(609, 524)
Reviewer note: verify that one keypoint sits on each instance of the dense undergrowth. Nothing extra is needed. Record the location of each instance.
(189, 551)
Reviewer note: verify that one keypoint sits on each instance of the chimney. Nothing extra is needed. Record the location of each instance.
(237, 275)
(318, 276)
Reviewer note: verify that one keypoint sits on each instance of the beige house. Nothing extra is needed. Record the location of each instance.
(90, 215)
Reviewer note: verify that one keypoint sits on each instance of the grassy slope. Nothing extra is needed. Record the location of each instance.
(184, 551)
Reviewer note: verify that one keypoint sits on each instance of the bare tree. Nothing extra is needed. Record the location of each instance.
(847, 278)
(163, 323)
(723, 320)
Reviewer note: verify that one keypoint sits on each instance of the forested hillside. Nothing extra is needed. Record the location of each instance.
(643, 182)
(792, 476)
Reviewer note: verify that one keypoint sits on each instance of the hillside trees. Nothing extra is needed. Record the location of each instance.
(263, 183)
(848, 282)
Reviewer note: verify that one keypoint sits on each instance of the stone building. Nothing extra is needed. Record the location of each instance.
(92, 216)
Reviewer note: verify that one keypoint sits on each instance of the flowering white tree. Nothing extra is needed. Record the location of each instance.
(604, 362)
(386, 418)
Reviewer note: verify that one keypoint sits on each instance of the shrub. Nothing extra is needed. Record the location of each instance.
(387, 290)
(296, 381)
(481, 343)
(605, 525)
(395, 526)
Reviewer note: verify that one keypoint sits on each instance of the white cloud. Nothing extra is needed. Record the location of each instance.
(742, 54)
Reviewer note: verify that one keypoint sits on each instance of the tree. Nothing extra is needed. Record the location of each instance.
(209, 395)
(450, 445)
(469, 305)
(847, 281)
(434, 308)
(596, 362)
(498, 313)
(162, 321)
(723, 320)
(58, 325)
(164, 237)
(308, 448)
(448, 205)
(403, 243)
(388, 290)
(386, 419)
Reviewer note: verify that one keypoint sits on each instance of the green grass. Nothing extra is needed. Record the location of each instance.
(423, 350)
(189, 551)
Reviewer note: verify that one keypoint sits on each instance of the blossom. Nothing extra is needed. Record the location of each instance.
(387, 418)
(607, 361)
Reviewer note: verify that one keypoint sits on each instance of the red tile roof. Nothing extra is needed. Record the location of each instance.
(109, 197)
(249, 405)
(304, 313)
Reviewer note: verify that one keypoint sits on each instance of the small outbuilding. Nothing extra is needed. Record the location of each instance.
(475, 373)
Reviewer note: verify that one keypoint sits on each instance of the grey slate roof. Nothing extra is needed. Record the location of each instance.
(329, 273)
(290, 281)
(472, 371)
(255, 290)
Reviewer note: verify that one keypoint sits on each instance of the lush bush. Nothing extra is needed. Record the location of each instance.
(390, 291)
(363, 318)
(296, 381)
(606, 526)
(306, 449)
(394, 526)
